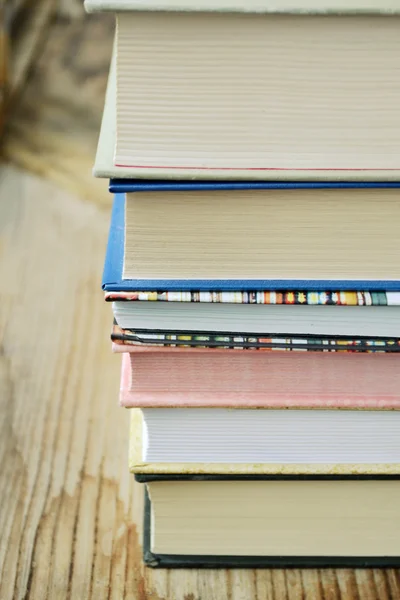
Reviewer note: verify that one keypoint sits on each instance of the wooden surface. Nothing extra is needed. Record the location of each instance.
(70, 516)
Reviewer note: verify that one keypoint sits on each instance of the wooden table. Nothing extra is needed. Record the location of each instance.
(70, 518)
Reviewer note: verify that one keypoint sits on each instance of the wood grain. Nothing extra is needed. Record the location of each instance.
(70, 517)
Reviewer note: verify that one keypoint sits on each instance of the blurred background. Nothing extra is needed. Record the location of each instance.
(53, 75)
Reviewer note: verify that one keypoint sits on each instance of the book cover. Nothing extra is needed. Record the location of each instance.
(155, 477)
(113, 272)
(126, 186)
(261, 380)
(174, 561)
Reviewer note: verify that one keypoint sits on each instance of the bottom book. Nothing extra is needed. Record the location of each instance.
(254, 522)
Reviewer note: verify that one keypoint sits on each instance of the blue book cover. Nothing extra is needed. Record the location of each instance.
(113, 269)
(124, 186)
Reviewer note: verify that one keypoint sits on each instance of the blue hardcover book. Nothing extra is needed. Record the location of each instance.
(114, 279)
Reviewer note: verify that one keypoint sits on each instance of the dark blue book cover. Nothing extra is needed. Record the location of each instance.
(113, 269)
(124, 186)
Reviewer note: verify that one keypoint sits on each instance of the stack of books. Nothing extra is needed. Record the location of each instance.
(253, 270)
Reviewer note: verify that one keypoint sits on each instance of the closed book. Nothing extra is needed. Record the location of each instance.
(254, 239)
(200, 93)
(130, 340)
(219, 378)
(257, 319)
(214, 521)
(264, 441)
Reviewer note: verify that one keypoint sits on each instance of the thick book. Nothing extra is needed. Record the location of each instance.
(201, 378)
(264, 441)
(220, 522)
(104, 163)
(155, 248)
(268, 233)
(255, 96)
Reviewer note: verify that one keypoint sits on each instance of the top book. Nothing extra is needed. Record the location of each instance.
(270, 94)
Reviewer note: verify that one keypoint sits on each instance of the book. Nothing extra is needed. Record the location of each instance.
(104, 162)
(215, 522)
(136, 261)
(262, 441)
(219, 379)
(129, 340)
(263, 234)
(250, 96)
(183, 313)
(260, 319)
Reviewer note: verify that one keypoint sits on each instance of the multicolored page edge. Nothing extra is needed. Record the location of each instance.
(290, 297)
(261, 342)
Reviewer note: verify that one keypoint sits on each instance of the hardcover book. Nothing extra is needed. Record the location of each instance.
(154, 248)
(220, 379)
(315, 522)
(254, 96)
(130, 340)
(264, 441)
(257, 319)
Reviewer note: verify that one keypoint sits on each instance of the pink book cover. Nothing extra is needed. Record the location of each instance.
(172, 377)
